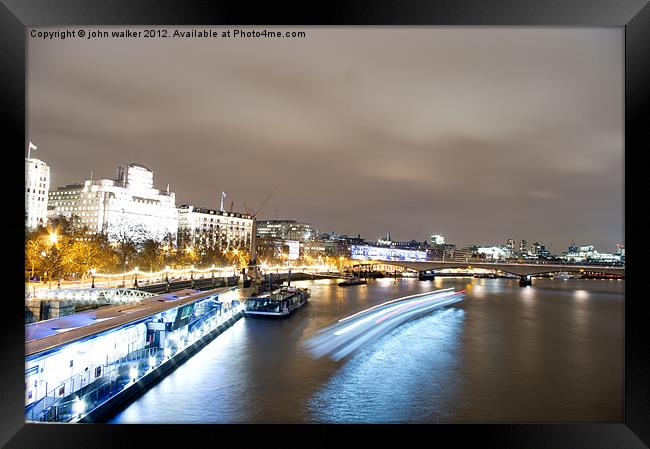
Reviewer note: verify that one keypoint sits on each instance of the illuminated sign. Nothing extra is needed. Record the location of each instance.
(367, 252)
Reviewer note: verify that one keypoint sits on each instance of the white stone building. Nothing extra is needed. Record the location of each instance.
(128, 206)
(37, 186)
(494, 252)
(214, 228)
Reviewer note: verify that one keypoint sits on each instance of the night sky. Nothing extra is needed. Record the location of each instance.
(479, 134)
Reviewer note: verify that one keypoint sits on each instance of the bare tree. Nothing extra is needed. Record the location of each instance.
(126, 238)
(151, 254)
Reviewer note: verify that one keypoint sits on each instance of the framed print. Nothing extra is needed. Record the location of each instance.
(361, 214)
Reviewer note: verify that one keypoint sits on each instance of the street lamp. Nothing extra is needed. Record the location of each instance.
(92, 273)
(53, 238)
(135, 276)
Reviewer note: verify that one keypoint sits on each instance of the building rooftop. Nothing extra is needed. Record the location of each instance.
(203, 210)
(135, 164)
(48, 334)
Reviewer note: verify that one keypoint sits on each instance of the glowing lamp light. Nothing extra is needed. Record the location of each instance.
(53, 238)
(78, 406)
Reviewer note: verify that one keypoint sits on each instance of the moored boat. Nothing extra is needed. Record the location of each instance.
(485, 276)
(565, 276)
(281, 302)
(352, 281)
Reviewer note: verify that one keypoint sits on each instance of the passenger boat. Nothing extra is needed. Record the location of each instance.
(426, 275)
(352, 281)
(281, 302)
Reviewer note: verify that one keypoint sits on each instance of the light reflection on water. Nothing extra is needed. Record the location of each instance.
(552, 352)
(368, 387)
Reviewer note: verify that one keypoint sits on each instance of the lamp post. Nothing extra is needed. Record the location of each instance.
(92, 273)
(135, 277)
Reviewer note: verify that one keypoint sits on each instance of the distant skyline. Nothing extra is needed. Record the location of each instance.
(476, 133)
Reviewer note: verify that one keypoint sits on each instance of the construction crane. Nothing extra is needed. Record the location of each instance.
(223, 195)
(253, 214)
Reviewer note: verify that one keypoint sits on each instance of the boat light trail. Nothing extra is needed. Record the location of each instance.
(350, 333)
(392, 301)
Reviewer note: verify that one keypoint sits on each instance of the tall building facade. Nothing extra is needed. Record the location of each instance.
(285, 230)
(213, 228)
(523, 247)
(128, 206)
(37, 186)
(462, 255)
(535, 248)
(444, 252)
(340, 245)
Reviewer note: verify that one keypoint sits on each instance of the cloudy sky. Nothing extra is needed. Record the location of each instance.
(479, 134)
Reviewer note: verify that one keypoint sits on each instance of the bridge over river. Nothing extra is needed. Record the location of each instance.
(522, 270)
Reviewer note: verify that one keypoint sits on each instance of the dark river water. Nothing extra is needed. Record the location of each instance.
(552, 352)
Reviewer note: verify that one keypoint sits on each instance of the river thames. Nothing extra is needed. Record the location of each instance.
(552, 352)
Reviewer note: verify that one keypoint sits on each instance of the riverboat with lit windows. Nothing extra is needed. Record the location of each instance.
(280, 302)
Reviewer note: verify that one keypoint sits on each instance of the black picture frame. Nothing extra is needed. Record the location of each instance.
(634, 15)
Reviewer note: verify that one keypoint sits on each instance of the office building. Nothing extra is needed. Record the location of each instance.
(126, 207)
(37, 186)
(437, 240)
(285, 230)
(210, 228)
(523, 247)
